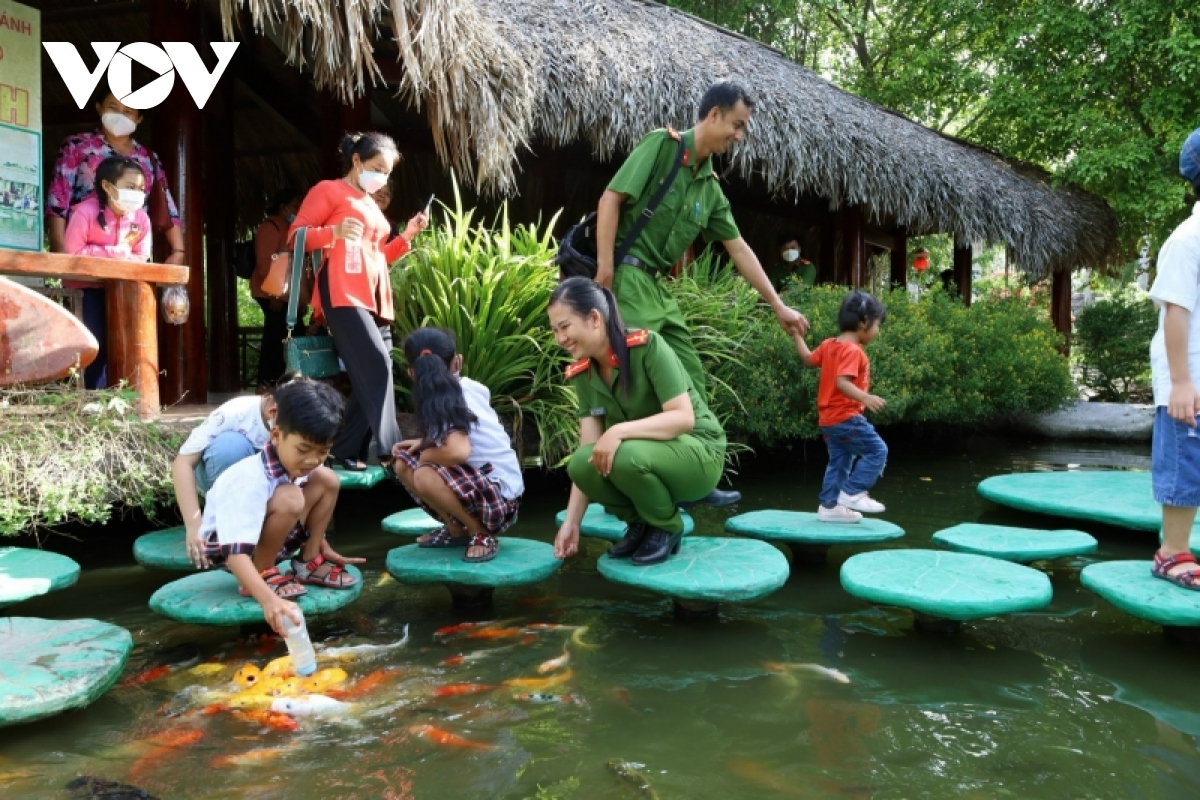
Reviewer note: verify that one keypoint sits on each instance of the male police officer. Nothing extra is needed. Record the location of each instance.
(695, 204)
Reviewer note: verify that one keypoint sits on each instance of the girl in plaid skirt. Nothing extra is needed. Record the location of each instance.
(463, 470)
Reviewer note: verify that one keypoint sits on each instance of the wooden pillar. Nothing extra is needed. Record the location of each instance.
(827, 249)
(220, 227)
(898, 273)
(1060, 307)
(963, 271)
(177, 141)
(133, 340)
(853, 266)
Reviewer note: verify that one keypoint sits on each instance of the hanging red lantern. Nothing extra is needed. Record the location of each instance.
(921, 260)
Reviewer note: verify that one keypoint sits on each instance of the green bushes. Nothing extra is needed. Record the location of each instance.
(1112, 345)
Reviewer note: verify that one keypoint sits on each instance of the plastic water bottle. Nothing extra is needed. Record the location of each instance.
(354, 259)
(304, 658)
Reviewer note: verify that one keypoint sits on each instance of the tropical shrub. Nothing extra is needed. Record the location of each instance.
(1112, 345)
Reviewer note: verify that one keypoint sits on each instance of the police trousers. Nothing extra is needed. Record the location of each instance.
(644, 302)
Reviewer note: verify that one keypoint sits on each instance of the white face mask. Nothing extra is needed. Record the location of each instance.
(371, 182)
(130, 199)
(791, 255)
(118, 124)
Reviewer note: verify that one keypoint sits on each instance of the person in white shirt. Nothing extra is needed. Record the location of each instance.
(265, 508)
(463, 469)
(1174, 363)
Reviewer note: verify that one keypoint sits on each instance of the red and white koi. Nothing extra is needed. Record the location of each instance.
(554, 663)
(547, 699)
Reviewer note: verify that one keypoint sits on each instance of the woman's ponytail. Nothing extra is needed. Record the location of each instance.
(437, 394)
(616, 338)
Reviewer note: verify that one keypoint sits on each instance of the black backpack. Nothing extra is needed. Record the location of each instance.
(244, 260)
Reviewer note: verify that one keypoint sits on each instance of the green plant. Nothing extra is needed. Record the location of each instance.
(1112, 345)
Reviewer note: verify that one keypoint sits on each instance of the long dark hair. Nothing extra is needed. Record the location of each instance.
(366, 146)
(437, 394)
(583, 296)
(112, 169)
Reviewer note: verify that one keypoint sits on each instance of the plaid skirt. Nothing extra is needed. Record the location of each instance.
(479, 494)
(218, 555)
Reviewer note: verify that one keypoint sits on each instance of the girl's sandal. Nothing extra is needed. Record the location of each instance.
(283, 585)
(331, 576)
(1163, 566)
(442, 538)
(490, 545)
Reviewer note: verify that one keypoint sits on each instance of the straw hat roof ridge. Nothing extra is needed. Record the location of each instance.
(494, 75)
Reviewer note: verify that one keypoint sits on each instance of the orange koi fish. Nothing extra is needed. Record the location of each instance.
(148, 676)
(538, 684)
(268, 719)
(370, 683)
(495, 633)
(247, 675)
(530, 639)
(260, 756)
(456, 689)
(451, 630)
(447, 739)
(554, 663)
(167, 744)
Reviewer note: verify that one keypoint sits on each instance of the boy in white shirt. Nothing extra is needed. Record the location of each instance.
(265, 507)
(1174, 363)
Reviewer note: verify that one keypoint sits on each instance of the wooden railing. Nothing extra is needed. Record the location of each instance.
(130, 304)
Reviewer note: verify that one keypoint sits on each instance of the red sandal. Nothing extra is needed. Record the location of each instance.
(281, 584)
(1163, 566)
(336, 577)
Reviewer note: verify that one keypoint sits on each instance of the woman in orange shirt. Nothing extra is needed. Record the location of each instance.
(270, 238)
(354, 294)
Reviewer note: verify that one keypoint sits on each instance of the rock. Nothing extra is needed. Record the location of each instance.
(412, 522)
(1114, 497)
(26, 572)
(950, 586)
(520, 561)
(360, 480)
(1129, 422)
(602, 525)
(163, 550)
(1014, 544)
(803, 527)
(49, 666)
(1129, 586)
(211, 598)
(707, 568)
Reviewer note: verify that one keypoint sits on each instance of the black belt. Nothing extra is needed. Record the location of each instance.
(630, 261)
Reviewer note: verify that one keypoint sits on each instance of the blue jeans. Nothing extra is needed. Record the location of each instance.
(1175, 461)
(857, 457)
(95, 318)
(223, 452)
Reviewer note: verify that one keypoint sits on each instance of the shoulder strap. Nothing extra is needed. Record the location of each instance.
(293, 308)
(637, 338)
(577, 367)
(652, 206)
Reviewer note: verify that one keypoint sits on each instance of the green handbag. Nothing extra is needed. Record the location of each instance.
(311, 356)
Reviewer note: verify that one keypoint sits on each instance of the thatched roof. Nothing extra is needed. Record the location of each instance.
(494, 75)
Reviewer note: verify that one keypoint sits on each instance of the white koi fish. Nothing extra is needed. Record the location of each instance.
(311, 705)
(825, 672)
(362, 651)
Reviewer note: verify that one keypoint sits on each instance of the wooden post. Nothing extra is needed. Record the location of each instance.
(177, 142)
(963, 271)
(853, 267)
(220, 230)
(827, 249)
(1060, 307)
(898, 274)
(133, 340)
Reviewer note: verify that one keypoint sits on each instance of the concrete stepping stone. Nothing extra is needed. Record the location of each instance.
(163, 550)
(1114, 497)
(600, 524)
(412, 522)
(809, 539)
(367, 479)
(945, 589)
(26, 572)
(707, 571)
(211, 598)
(1014, 544)
(50, 666)
(519, 562)
(1129, 586)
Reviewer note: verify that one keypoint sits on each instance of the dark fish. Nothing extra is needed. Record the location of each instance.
(631, 775)
(88, 786)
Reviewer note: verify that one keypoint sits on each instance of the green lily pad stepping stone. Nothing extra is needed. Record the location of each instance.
(602, 525)
(211, 598)
(26, 572)
(1129, 586)
(519, 562)
(1114, 497)
(1014, 544)
(413, 522)
(365, 479)
(943, 586)
(808, 538)
(706, 571)
(50, 666)
(163, 550)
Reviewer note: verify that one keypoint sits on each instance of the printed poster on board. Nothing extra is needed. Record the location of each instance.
(20, 127)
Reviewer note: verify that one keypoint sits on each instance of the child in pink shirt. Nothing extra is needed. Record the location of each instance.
(119, 229)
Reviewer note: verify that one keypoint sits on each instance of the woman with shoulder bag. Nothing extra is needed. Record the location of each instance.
(270, 240)
(354, 294)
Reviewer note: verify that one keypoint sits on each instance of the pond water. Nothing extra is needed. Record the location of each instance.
(1081, 701)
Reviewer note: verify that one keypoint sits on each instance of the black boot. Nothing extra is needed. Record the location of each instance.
(635, 534)
(659, 545)
(715, 499)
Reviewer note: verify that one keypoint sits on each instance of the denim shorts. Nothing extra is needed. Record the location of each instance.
(1175, 464)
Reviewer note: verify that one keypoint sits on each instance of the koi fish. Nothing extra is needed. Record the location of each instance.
(311, 705)
(247, 675)
(554, 663)
(453, 630)
(279, 668)
(577, 632)
(457, 689)
(530, 639)
(248, 759)
(363, 651)
(251, 700)
(631, 774)
(148, 676)
(447, 739)
(545, 699)
(467, 658)
(318, 682)
(268, 719)
(204, 670)
(370, 683)
(537, 684)
(495, 633)
(166, 745)
(816, 669)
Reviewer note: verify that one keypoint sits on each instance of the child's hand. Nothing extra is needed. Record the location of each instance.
(1184, 403)
(278, 611)
(874, 402)
(195, 548)
(411, 446)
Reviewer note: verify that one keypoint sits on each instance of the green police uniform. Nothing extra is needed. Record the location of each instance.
(694, 205)
(648, 478)
(803, 271)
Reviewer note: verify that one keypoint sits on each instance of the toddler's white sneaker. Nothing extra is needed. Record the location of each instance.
(837, 514)
(861, 502)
